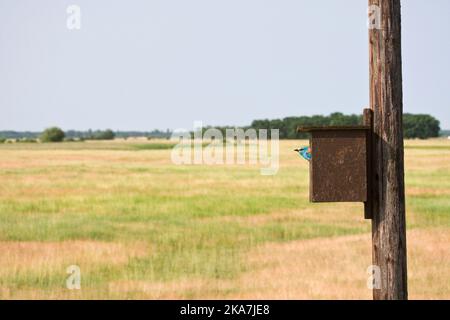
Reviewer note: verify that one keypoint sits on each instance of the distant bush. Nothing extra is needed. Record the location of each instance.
(420, 126)
(2, 140)
(105, 135)
(445, 133)
(101, 135)
(53, 134)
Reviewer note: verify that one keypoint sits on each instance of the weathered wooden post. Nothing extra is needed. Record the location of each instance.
(365, 163)
(388, 188)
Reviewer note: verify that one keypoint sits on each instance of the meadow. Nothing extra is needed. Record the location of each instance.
(140, 227)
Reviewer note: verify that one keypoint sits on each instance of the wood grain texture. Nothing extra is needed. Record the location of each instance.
(386, 101)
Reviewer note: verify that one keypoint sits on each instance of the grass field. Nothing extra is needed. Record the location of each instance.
(140, 227)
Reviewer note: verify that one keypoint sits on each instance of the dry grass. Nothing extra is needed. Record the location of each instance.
(20, 256)
(335, 268)
(313, 269)
(140, 227)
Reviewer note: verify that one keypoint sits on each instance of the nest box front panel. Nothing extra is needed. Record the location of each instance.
(338, 166)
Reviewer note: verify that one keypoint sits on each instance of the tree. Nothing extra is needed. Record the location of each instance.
(53, 134)
(420, 126)
(105, 135)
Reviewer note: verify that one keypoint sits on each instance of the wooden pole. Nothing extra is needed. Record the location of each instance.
(388, 188)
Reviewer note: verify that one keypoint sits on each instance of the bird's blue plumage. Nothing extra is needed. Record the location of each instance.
(305, 153)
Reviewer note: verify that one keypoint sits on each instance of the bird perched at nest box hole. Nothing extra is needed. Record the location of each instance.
(304, 152)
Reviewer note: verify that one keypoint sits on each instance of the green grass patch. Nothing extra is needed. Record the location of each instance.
(200, 221)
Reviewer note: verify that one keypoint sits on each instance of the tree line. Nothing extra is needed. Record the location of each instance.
(56, 134)
(415, 126)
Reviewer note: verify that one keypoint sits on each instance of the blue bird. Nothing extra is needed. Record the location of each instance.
(304, 152)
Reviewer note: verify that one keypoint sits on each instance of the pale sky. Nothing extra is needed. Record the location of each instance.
(146, 64)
